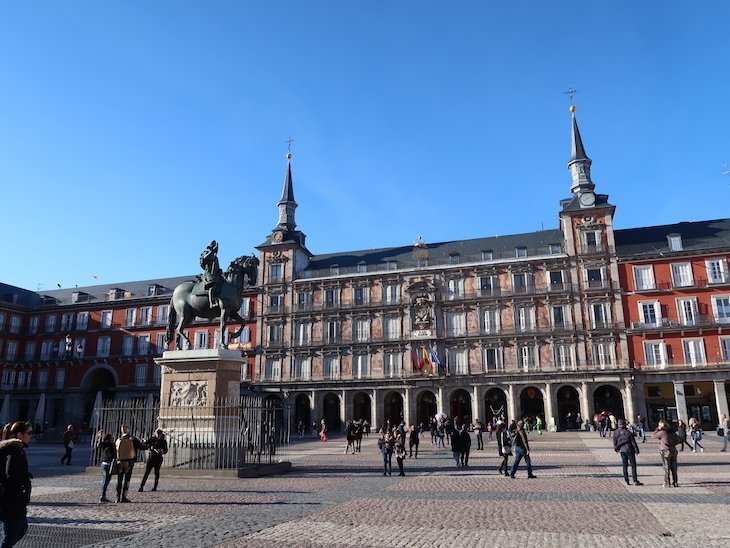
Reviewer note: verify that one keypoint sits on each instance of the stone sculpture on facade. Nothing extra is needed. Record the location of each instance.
(213, 295)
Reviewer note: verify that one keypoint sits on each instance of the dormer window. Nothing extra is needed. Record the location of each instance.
(675, 242)
(454, 258)
(362, 268)
(334, 270)
(391, 265)
(487, 255)
(153, 290)
(554, 249)
(520, 252)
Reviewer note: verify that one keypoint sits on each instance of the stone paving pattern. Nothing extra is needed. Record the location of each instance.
(333, 499)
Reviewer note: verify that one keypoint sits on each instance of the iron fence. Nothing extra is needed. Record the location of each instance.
(227, 434)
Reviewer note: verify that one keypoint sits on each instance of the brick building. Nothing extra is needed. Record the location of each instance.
(560, 322)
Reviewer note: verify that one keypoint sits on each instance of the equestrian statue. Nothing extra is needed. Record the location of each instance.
(214, 294)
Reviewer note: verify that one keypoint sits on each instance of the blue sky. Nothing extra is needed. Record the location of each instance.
(133, 133)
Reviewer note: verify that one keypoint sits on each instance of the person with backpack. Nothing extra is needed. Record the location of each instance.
(625, 444)
(668, 441)
(695, 434)
(15, 479)
(127, 447)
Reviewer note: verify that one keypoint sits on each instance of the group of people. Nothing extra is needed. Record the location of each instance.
(118, 457)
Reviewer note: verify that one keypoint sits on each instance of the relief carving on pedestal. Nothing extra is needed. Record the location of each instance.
(188, 394)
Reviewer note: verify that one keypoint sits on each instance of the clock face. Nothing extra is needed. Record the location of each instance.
(276, 237)
(587, 199)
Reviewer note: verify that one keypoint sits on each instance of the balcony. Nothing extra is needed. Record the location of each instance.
(699, 321)
(276, 309)
(596, 284)
(682, 363)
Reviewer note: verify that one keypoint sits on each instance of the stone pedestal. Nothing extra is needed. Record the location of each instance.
(200, 408)
(199, 377)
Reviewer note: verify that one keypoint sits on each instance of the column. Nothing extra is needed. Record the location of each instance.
(629, 410)
(343, 409)
(721, 399)
(316, 411)
(680, 401)
(374, 423)
(407, 411)
(475, 400)
(550, 422)
(585, 408)
(511, 407)
(440, 403)
(312, 408)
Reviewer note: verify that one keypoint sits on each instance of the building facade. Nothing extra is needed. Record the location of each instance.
(67, 345)
(574, 320)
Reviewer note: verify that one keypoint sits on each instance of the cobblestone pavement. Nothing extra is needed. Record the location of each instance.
(331, 499)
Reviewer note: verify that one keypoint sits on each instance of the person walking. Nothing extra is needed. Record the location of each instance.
(478, 430)
(465, 440)
(127, 447)
(668, 441)
(108, 454)
(504, 447)
(456, 447)
(725, 425)
(522, 451)
(157, 446)
(413, 440)
(624, 443)
(641, 427)
(682, 435)
(14, 464)
(385, 444)
(350, 436)
(538, 425)
(400, 451)
(695, 434)
(323, 431)
(69, 436)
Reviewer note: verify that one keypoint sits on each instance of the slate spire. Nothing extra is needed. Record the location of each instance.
(287, 205)
(579, 164)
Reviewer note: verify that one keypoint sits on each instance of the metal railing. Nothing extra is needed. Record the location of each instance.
(226, 434)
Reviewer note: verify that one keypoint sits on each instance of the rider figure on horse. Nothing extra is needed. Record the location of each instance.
(212, 276)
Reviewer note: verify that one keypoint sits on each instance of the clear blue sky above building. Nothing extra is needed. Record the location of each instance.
(133, 133)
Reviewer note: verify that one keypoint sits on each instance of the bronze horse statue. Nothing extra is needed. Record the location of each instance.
(190, 300)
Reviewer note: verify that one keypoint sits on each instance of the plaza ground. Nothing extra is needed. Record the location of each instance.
(331, 499)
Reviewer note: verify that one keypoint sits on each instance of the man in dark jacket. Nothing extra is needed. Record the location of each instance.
(624, 443)
(16, 478)
(456, 447)
(157, 446)
(465, 439)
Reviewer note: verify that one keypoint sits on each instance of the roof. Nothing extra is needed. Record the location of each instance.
(500, 246)
(652, 240)
(100, 293)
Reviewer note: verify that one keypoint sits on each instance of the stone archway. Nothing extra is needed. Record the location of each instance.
(362, 408)
(568, 400)
(303, 411)
(460, 406)
(531, 403)
(495, 405)
(331, 412)
(100, 378)
(608, 398)
(426, 407)
(393, 408)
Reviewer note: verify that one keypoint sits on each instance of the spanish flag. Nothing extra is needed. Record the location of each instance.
(427, 366)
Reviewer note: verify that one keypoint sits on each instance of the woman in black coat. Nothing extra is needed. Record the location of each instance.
(14, 469)
(504, 447)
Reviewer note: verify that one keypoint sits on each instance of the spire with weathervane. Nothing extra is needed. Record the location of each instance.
(579, 165)
(287, 205)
